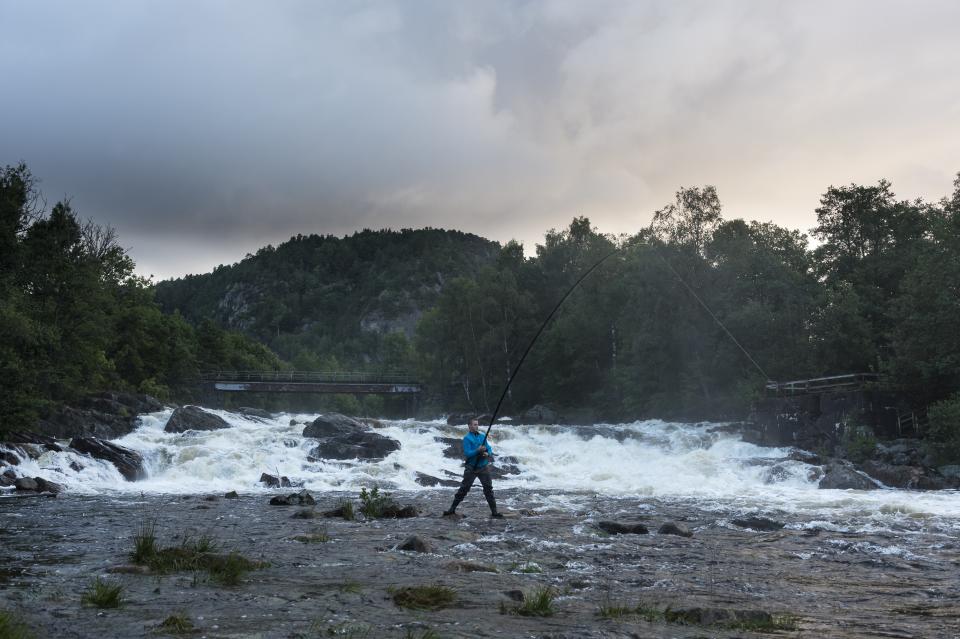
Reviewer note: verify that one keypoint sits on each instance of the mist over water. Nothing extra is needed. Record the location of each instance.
(560, 466)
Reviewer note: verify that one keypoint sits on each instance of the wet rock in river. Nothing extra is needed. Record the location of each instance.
(7, 478)
(302, 498)
(468, 566)
(254, 412)
(272, 481)
(414, 543)
(11, 456)
(674, 528)
(342, 437)
(429, 480)
(758, 523)
(193, 418)
(841, 476)
(38, 485)
(231, 495)
(896, 476)
(128, 462)
(616, 528)
(717, 616)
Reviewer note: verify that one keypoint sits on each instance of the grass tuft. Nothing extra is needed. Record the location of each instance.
(176, 624)
(318, 536)
(197, 555)
(538, 604)
(525, 567)
(346, 508)
(11, 627)
(424, 597)
(103, 594)
(144, 542)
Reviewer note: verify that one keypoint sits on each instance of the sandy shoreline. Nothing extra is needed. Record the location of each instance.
(837, 584)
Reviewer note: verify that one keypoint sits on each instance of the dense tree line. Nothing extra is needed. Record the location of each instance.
(74, 318)
(688, 318)
(876, 292)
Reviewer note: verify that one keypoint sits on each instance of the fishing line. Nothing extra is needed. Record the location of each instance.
(516, 369)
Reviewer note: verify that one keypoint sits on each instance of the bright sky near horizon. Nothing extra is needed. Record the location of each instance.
(204, 130)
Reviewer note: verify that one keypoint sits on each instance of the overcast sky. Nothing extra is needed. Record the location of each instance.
(203, 130)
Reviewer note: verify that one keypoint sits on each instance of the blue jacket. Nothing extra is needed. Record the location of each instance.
(471, 444)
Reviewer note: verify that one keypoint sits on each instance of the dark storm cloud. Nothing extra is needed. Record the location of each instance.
(203, 130)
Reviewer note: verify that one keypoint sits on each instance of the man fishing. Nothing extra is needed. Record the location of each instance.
(478, 453)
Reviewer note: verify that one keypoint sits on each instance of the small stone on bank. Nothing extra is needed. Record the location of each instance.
(673, 528)
(615, 528)
(414, 543)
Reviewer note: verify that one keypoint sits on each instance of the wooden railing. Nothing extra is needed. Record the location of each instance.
(834, 383)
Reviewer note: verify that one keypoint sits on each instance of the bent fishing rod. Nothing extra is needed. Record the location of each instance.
(503, 395)
(493, 417)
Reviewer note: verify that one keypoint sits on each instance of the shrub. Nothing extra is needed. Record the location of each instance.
(374, 503)
(944, 427)
(346, 509)
(859, 442)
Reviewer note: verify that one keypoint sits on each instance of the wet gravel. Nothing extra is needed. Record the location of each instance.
(837, 583)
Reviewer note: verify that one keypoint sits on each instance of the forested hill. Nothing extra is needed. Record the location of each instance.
(328, 302)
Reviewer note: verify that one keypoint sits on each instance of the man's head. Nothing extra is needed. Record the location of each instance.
(474, 426)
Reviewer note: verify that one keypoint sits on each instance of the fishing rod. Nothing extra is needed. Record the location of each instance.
(516, 369)
(493, 417)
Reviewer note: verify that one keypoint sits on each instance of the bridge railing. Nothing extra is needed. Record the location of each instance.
(833, 383)
(359, 377)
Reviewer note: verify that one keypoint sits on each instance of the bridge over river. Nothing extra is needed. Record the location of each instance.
(352, 382)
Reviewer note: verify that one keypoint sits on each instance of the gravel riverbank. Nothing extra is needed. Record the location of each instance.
(816, 578)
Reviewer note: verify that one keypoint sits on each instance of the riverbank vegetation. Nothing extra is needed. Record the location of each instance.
(687, 319)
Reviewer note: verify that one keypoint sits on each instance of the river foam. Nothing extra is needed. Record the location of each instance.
(655, 459)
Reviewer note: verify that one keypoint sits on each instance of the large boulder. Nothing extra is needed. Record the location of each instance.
(539, 414)
(107, 415)
(843, 477)
(342, 437)
(905, 476)
(333, 425)
(38, 485)
(128, 462)
(193, 418)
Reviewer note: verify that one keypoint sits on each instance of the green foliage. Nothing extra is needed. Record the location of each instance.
(103, 594)
(74, 319)
(12, 627)
(144, 543)
(944, 427)
(373, 503)
(432, 597)
(859, 442)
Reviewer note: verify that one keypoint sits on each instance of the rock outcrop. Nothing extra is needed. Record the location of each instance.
(128, 462)
(193, 418)
(342, 437)
(842, 476)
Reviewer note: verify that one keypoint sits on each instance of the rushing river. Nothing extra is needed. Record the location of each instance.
(698, 463)
(845, 564)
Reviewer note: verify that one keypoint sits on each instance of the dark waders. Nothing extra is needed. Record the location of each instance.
(470, 474)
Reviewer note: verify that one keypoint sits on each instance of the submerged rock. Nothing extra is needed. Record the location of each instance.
(717, 616)
(673, 528)
(193, 418)
(616, 528)
(758, 523)
(128, 462)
